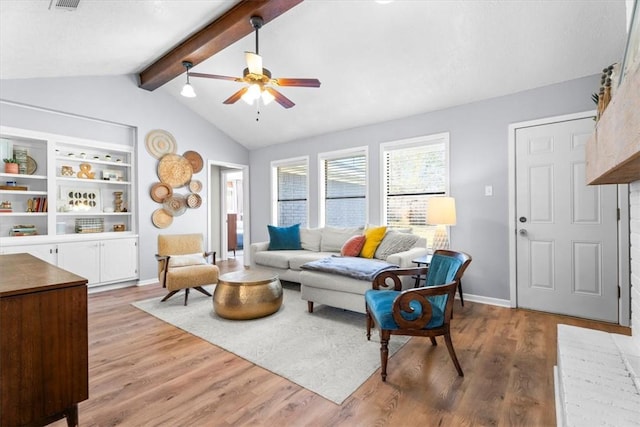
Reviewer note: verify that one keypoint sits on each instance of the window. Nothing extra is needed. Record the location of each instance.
(413, 171)
(290, 188)
(344, 179)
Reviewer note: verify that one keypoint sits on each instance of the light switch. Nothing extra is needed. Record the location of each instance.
(488, 190)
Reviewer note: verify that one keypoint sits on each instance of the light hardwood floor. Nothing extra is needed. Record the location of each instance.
(145, 372)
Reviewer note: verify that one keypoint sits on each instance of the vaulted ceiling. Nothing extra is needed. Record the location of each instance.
(376, 61)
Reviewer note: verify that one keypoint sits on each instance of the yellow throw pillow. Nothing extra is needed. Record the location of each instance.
(373, 236)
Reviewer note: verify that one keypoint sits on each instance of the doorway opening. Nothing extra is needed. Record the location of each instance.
(234, 212)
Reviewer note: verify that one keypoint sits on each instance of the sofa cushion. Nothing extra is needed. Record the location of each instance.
(334, 237)
(284, 238)
(394, 242)
(310, 238)
(353, 246)
(274, 259)
(302, 257)
(334, 282)
(374, 236)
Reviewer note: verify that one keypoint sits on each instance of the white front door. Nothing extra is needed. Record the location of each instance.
(566, 243)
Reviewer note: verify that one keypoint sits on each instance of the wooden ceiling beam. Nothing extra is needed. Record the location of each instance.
(219, 34)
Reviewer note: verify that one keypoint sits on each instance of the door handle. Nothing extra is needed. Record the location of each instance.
(522, 232)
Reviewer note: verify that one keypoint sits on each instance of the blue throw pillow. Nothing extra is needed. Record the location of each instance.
(281, 238)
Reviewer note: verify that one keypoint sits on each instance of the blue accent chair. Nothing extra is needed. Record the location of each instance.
(424, 311)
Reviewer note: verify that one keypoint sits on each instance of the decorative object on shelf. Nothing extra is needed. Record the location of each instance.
(11, 165)
(174, 170)
(603, 97)
(5, 206)
(441, 211)
(89, 225)
(194, 200)
(160, 191)
(20, 155)
(81, 199)
(118, 227)
(161, 218)
(160, 142)
(118, 201)
(175, 205)
(111, 175)
(195, 186)
(23, 230)
(67, 171)
(32, 166)
(85, 171)
(195, 159)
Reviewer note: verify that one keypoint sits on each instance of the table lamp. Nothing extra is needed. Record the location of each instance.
(441, 211)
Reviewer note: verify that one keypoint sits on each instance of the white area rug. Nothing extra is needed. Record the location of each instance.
(326, 351)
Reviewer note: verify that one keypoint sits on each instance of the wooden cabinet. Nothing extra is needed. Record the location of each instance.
(43, 342)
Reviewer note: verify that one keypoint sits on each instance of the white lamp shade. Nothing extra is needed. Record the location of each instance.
(187, 91)
(441, 211)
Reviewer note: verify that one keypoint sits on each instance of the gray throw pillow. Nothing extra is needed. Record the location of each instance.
(334, 237)
(394, 243)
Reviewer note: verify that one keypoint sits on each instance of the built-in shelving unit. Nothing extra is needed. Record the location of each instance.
(79, 196)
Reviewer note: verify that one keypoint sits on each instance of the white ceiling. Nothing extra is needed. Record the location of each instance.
(376, 62)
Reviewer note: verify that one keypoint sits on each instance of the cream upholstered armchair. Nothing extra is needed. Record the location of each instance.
(183, 264)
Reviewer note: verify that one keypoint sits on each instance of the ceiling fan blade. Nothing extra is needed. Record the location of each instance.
(280, 98)
(233, 98)
(254, 62)
(215, 76)
(298, 82)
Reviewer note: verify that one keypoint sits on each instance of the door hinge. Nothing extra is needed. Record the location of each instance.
(619, 292)
(618, 214)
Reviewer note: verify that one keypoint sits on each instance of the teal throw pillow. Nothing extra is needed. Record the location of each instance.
(282, 238)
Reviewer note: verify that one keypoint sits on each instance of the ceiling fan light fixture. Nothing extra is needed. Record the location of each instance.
(252, 94)
(187, 90)
(267, 97)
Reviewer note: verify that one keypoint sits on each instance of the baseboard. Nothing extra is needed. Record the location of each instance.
(486, 300)
(147, 282)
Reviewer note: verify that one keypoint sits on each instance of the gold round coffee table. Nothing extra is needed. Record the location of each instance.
(247, 294)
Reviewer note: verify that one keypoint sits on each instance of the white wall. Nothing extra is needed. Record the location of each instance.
(634, 202)
(478, 144)
(118, 99)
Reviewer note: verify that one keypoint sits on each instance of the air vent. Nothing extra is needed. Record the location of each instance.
(69, 5)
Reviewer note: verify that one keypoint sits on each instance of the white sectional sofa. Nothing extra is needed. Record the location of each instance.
(329, 288)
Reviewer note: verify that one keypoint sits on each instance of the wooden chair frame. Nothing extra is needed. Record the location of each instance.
(402, 303)
(165, 269)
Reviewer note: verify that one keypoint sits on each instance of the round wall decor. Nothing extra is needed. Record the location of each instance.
(174, 170)
(161, 218)
(195, 159)
(160, 142)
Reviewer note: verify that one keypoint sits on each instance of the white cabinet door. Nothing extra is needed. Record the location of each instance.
(81, 258)
(119, 260)
(46, 252)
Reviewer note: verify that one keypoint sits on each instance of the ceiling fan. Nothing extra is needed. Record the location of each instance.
(259, 81)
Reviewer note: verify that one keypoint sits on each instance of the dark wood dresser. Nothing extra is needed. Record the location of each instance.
(43, 342)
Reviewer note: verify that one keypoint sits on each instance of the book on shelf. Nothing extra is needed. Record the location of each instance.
(38, 204)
